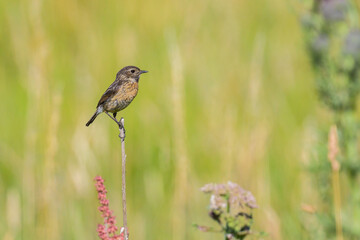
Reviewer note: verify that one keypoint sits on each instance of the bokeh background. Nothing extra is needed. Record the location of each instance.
(229, 96)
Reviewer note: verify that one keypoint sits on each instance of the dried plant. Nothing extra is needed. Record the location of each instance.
(333, 151)
(122, 135)
(231, 207)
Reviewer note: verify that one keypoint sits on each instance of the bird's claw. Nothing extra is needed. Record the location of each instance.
(121, 128)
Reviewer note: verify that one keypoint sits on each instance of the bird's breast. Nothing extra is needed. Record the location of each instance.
(124, 96)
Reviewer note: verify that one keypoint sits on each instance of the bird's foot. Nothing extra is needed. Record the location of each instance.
(122, 129)
(120, 123)
(113, 118)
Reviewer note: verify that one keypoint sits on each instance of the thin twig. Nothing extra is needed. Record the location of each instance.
(123, 172)
(123, 188)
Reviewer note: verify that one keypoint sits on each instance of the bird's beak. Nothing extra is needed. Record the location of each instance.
(143, 71)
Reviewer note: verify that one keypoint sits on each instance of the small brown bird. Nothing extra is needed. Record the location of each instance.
(120, 93)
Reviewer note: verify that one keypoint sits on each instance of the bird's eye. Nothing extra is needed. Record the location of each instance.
(132, 71)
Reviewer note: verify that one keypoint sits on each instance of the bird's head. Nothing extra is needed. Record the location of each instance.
(131, 73)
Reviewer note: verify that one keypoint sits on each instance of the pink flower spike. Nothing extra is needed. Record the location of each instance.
(107, 230)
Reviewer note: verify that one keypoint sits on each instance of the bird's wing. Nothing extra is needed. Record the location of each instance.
(109, 93)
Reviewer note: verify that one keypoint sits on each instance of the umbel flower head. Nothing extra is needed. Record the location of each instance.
(230, 192)
(231, 207)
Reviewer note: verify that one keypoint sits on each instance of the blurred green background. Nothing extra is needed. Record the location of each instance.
(229, 96)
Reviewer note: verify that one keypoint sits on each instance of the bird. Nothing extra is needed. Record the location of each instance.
(120, 93)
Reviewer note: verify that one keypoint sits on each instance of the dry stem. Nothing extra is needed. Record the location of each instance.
(123, 172)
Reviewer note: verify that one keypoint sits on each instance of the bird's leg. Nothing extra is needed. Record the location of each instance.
(112, 118)
(117, 122)
(114, 114)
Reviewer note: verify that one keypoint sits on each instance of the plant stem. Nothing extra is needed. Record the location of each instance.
(123, 174)
(337, 203)
(123, 170)
(227, 211)
(333, 149)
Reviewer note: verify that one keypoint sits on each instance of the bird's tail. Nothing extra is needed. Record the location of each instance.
(93, 117)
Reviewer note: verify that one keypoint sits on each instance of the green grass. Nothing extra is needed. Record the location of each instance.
(246, 101)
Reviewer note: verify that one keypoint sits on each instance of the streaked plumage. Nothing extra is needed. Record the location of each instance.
(120, 93)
